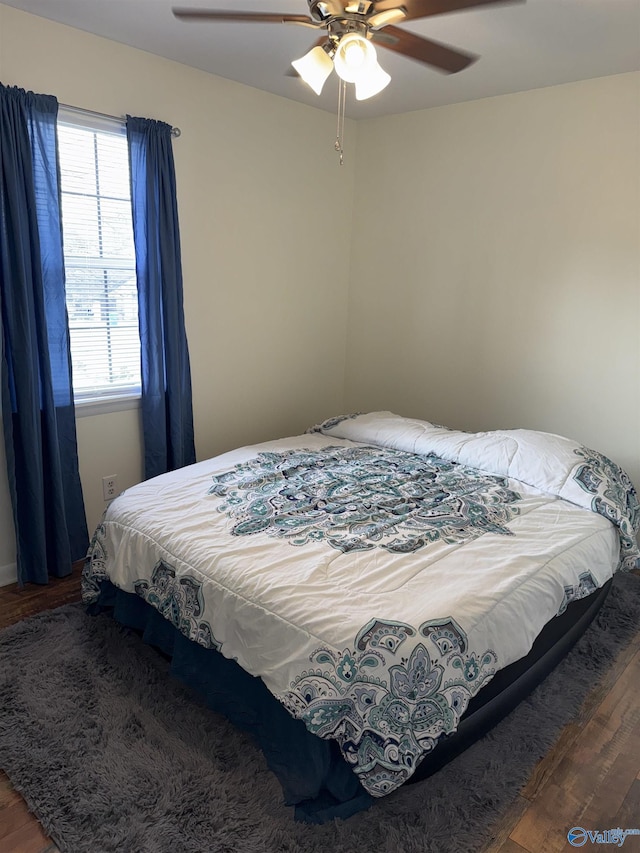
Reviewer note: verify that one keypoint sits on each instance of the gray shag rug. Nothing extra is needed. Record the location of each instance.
(113, 755)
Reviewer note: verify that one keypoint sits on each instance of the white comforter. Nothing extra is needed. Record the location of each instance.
(375, 572)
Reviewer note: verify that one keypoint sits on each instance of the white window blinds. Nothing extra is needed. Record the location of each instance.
(99, 257)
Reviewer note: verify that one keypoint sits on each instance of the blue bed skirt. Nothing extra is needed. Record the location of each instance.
(314, 777)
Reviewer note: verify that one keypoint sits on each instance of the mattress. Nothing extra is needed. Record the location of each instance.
(376, 572)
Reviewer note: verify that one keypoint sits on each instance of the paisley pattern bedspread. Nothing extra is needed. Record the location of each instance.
(375, 572)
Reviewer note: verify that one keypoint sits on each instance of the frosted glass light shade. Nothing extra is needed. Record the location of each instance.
(353, 56)
(373, 81)
(314, 68)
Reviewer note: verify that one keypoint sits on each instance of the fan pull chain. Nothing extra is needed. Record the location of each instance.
(342, 98)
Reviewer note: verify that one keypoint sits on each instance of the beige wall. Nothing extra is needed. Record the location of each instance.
(496, 265)
(260, 199)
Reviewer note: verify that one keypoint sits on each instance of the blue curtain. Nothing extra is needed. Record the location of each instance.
(167, 414)
(37, 399)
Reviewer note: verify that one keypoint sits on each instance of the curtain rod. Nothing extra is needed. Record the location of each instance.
(175, 131)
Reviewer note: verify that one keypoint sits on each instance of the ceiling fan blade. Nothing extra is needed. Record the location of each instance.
(424, 50)
(242, 17)
(426, 8)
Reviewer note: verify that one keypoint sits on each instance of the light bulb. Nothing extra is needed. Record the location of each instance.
(353, 56)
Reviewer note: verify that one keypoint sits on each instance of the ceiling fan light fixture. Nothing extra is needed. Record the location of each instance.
(374, 81)
(314, 68)
(356, 62)
(354, 55)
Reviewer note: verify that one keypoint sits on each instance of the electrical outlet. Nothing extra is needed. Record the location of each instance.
(109, 487)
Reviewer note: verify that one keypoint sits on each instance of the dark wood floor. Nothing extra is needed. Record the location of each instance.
(591, 778)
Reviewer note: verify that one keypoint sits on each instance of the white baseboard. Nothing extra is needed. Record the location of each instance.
(8, 574)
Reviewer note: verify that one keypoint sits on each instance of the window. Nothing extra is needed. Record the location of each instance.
(99, 258)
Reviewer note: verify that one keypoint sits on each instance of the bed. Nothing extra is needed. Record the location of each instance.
(370, 596)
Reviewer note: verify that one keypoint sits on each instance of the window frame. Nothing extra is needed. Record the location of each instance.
(121, 398)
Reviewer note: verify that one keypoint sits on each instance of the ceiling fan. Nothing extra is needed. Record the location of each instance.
(352, 28)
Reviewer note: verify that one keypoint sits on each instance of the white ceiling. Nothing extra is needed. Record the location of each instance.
(521, 46)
